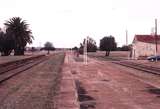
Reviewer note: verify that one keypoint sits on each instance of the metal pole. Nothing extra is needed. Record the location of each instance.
(127, 43)
(156, 36)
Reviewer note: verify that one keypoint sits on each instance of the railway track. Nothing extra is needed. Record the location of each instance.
(11, 69)
(141, 67)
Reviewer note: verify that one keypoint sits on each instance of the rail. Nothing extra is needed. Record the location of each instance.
(16, 67)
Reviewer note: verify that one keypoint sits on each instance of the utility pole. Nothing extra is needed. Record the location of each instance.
(156, 38)
(156, 34)
(127, 43)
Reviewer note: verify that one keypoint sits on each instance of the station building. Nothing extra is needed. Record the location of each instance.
(144, 46)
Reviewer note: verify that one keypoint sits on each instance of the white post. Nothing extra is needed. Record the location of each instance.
(85, 51)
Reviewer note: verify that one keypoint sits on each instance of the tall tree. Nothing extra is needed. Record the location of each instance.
(81, 48)
(18, 31)
(91, 45)
(48, 46)
(6, 44)
(1, 41)
(108, 44)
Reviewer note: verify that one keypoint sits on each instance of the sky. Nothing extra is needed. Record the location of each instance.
(66, 23)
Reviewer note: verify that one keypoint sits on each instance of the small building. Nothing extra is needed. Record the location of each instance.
(144, 45)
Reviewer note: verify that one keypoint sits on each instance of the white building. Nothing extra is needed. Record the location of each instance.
(144, 45)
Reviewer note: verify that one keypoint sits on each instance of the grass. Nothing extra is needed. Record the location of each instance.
(78, 59)
(55, 65)
(111, 57)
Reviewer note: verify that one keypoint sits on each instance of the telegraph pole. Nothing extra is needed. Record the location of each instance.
(156, 35)
(127, 43)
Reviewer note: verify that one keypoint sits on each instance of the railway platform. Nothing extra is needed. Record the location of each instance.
(105, 85)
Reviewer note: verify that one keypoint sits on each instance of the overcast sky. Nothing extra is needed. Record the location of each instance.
(67, 22)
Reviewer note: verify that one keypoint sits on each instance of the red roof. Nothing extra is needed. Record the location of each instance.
(147, 38)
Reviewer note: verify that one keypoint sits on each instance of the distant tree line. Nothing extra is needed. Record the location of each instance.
(107, 44)
(15, 37)
(48, 46)
(124, 48)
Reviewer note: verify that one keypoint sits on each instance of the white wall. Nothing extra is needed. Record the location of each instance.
(144, 49)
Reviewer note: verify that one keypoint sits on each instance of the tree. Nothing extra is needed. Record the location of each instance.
(1, 41)
(48, 46)
(6, 44)
(18, 32)
(75, 48)
(91, 45)
(81, 48)
(125, 47)
(108, 44)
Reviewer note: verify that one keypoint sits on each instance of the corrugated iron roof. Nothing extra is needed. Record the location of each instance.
(147, 38)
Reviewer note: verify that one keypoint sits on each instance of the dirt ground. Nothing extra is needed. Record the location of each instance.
(34, 88)
(96, 85)
(104, 85)
(113, 54)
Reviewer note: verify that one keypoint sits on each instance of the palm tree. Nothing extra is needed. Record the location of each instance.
(17, 30)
